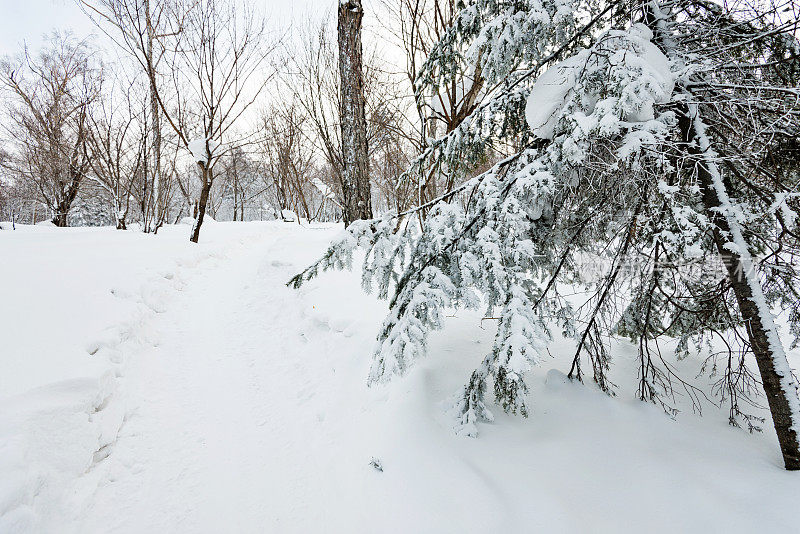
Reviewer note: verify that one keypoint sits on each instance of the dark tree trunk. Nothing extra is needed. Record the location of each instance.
(355, 173)
(236, 196)
(60, 218)
(201, 207)
(64, 202)
(235, 207)
(283, 200)
(777, 396)
(121, 219)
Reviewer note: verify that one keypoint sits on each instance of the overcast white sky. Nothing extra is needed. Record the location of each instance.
(28, 20)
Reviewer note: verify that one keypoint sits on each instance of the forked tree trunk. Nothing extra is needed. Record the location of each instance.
(65, 200)
(355, 173)
(762, 333)
(121, 224)
(60, 218)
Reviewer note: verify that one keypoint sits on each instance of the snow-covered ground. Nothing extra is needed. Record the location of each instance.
(152, 385)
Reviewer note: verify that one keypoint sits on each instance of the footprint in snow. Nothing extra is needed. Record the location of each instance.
(375, 463)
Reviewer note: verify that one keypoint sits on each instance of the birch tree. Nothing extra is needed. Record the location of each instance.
(221, 71)
(288, 159)
(213, 54)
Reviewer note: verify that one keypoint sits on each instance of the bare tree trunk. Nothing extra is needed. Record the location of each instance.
(355, 174)
(235, 204)
(70, 190)
(155, 125)
(235, 187)
(64, 204)
(143, 201)
(158, 193)
(120, 216)
(761, 331)
(60, 218)
(201, 208)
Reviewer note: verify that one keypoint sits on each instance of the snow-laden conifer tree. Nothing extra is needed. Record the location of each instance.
(655, 148)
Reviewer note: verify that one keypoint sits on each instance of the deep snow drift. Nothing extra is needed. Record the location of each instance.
(152, 385)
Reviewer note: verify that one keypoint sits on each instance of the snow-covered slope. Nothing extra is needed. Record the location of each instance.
(216, 399)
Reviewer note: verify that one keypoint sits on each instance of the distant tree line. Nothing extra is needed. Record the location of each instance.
(198, 110)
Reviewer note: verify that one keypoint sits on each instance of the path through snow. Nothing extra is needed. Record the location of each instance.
(228, 431)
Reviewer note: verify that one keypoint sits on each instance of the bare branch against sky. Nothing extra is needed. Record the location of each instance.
(28, 21)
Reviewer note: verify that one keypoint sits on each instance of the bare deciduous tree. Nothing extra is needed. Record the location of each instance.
(311, 78)
(419, 25)
(48, 120)
(288, 159)
(142, 29)
(117, 145)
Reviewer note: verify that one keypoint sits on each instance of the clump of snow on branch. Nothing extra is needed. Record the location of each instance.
(203, 150)
(627, 54)
(323, 188)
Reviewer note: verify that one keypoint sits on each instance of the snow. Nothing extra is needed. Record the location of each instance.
(653, 63)
(152, 385)
(323, 188)
(780, 204)
(552, 89)
(198, 149)
(549, 94)
(190, 221)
